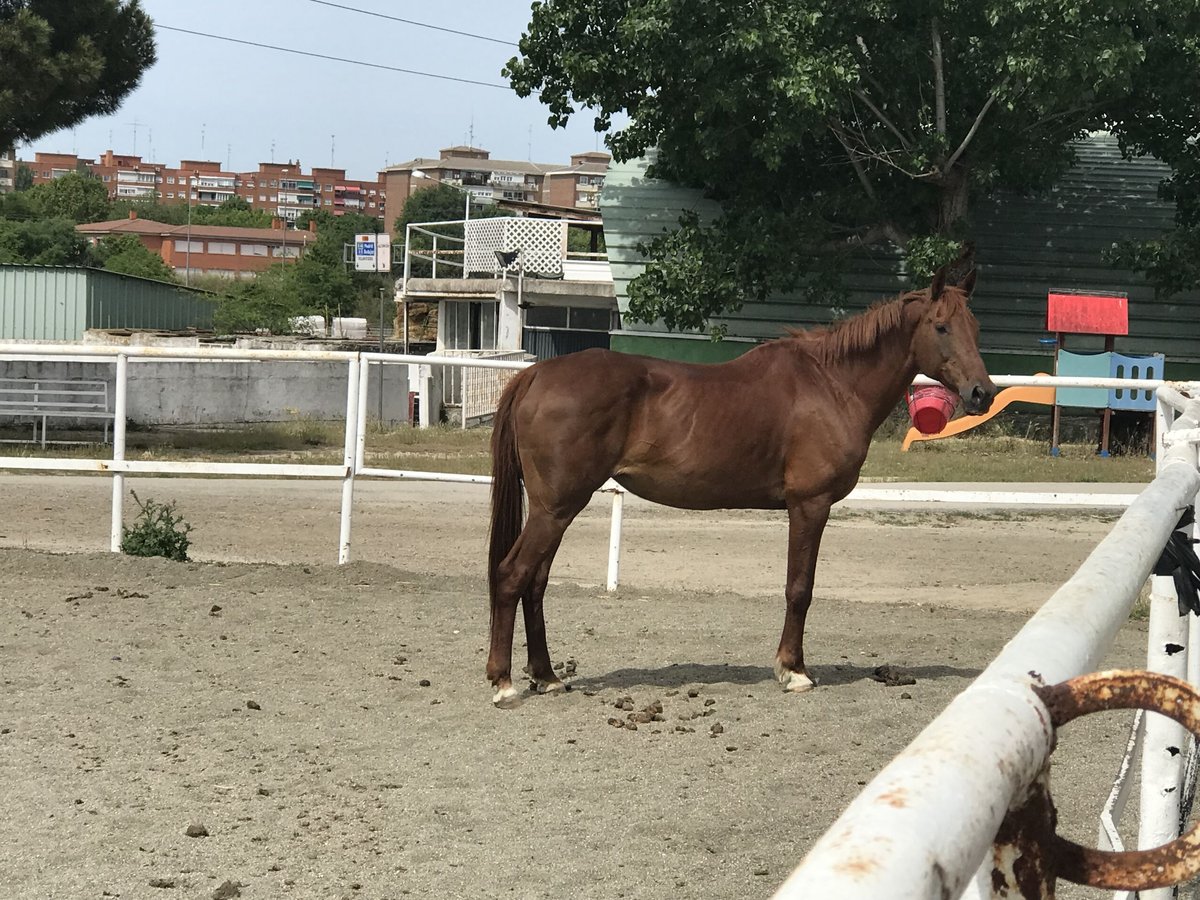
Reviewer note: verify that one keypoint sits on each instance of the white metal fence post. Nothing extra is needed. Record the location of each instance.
(120, 407)
(360, 443)
(349, 457)
(614, 538)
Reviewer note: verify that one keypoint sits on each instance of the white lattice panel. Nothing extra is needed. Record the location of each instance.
(542, 243)
(479, 390)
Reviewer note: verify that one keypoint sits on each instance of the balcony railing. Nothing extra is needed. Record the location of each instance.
(494, 247)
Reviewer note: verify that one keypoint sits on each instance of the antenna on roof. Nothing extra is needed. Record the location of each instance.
(332, 145)
(136, 125)
(471, 138)
(203, 125)
(272, 151)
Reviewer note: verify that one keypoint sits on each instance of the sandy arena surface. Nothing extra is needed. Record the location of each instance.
(330, 727)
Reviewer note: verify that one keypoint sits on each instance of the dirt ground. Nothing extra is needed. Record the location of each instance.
(329, 727)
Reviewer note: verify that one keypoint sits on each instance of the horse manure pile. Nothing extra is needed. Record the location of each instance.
(653, 712)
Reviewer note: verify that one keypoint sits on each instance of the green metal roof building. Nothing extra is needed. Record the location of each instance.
(1026, 247)
(45, 303)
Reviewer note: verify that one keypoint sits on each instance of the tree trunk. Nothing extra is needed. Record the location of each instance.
(952, 199)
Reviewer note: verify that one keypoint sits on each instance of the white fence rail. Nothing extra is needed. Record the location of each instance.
(925, 826)
(354, 457)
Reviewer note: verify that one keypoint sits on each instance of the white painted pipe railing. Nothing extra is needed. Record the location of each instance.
(923, 827)
(354, 463)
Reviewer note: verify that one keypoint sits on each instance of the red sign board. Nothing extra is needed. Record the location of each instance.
(1087, 313)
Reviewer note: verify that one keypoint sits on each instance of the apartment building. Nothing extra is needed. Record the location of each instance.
(574, 186)
(283, 189)
(8, 170)
(210, 249)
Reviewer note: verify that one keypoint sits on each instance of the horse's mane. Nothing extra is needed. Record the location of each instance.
(862, 332)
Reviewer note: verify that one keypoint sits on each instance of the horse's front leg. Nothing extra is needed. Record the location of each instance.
(806, 523)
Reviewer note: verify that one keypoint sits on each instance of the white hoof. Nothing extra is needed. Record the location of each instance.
(506, 697)
(550, 687)
(793, 682)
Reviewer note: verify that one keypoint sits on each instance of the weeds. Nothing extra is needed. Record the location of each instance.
(157, 531)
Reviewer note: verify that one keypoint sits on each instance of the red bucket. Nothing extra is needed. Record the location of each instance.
(931, 407)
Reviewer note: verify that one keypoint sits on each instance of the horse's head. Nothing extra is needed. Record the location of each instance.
(946, 343)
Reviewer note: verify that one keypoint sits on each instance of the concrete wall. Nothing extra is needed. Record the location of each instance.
(221, 392)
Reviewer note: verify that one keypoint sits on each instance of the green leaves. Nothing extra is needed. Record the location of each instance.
(62, 61)
(817, 124)
(126, 254)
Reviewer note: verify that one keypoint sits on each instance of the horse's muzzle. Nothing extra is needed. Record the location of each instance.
(977, 398)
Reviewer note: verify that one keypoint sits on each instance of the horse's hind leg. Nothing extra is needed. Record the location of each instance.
(540, 669)
(517, 577)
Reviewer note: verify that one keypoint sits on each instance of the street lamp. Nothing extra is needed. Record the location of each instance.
(187, 271)
(417, 173)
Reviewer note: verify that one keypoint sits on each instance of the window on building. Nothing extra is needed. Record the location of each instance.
(226, 248)
(254, 249)
(285, 252)
(329, 203)
(196, 246)
(582, 318)
(170, 179)
(274, 183)
(262, 198)
(107, 177)
(170, 196)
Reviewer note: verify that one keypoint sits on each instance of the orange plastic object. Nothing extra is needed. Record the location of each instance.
(1044, 395)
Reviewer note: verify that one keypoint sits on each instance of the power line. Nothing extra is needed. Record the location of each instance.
(379, 15)
(341, 59)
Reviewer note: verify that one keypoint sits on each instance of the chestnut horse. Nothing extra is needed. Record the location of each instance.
(785, 426)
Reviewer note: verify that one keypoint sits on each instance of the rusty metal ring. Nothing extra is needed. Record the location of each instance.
(1129, 870)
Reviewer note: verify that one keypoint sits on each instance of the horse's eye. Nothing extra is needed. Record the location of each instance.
(941, 329)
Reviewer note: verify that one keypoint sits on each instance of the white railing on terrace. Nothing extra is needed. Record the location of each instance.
(540, 246)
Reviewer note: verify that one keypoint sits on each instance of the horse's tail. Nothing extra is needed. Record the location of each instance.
(507, 498)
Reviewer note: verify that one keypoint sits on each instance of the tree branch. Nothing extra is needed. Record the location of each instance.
(974, 127)
(887, 123)
(872, 234)
(855, 162)
(939, 78)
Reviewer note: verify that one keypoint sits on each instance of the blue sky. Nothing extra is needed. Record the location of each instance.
(237, 100)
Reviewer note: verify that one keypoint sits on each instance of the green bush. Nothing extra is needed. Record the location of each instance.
(158, 531)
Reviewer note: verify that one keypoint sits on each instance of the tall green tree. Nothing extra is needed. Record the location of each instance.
(80, 197)
(23, 178)
(62, 61)
(42, 242)
(827, 126)
(126, 254)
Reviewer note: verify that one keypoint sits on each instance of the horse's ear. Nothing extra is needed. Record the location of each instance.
(939, 284)
(967, 285)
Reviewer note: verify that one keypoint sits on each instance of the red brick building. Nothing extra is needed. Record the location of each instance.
(282, 189)
(210, 249)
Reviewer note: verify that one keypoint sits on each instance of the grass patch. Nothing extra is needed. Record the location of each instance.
(1000, 459)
